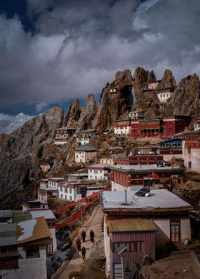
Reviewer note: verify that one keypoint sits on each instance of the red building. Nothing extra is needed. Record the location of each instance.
(146, 128)
(140, 159)
(123, 176)
(175, 125)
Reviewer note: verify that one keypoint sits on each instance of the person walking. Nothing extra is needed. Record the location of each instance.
(92, 236)
(83, 235)
(78, 244)
(83, 252)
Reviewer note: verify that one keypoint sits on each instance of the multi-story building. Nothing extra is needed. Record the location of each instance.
(122, 127)
(76, 190)
(126, 176)
(49, 188)
(23, 249)
(86, 137)
(164, 94)
(85, 154)
(107, 161)
(63, 134)
(174, 125)
(98, 172)
(171, 148)
(191, 155)
(147, 128)
(136, 222)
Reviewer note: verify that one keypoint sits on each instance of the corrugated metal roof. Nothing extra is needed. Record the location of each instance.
(32, 230)
(46, 213)
(131, 225)
(7, 234)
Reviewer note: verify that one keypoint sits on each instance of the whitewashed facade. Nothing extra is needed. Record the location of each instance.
(97, 172)
(122, 130)
(164, 96)
(191, 155)
(85, 153)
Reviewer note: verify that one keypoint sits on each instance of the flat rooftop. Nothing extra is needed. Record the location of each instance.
(144, 168)
(158, 199)
(46, 213)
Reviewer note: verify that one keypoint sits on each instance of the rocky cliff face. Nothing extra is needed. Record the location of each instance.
(116, 99)
(186, 100)
(23, 150)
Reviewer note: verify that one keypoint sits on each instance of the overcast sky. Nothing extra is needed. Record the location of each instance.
(55, 50)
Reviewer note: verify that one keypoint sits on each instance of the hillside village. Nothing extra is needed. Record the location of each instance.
(127, 168)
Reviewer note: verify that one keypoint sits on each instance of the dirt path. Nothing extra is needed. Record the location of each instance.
(77, 264)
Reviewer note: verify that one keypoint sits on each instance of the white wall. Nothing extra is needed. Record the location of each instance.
(122, 130)
(80, 157)
(193, 157)
(185, 227)
(66, 193)
(97, 174)
(164, 96)
(29, 268)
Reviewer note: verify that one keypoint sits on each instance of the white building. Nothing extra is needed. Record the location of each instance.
(50, 218)
(85, 153)
(62, 135)
(67, 191)
(122, 128)
(83, 140)
(191, 155)
(164, 95)
(197, 125)
(153, 85)
(75, 191)
(49, 188)
(107, 161)
(98, 172)
(24, 249)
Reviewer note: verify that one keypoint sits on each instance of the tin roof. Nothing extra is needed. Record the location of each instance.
(129, 225)
(158, 199)
(32, 230)
(7, 235)
(46, 213)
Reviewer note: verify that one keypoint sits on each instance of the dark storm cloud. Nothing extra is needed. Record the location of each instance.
(78, 47)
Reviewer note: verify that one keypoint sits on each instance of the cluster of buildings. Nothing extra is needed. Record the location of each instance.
(27, 238)
(151, 128)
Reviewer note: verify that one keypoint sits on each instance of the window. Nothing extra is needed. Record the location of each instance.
(33, 252)
(134, 246)
(175, 230)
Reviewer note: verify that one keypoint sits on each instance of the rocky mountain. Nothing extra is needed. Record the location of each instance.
(9, 123)
(24, 149)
